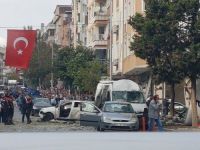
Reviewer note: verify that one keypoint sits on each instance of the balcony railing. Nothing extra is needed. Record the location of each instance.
(99, 37)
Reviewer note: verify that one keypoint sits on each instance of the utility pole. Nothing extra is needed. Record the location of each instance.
(110, 24)
(52, 53)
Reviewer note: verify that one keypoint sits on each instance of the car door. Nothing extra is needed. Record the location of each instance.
(89, 115)
(65, 110)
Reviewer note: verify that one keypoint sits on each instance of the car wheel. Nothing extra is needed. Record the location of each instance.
(48, 117)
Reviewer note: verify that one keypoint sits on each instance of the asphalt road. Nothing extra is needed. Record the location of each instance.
(38, 126)
(100, 141)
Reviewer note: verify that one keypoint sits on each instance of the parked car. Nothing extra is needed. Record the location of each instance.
(66, 110)
(114, 115)
(38, 104)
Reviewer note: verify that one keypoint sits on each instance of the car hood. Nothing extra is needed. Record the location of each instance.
(118, 116)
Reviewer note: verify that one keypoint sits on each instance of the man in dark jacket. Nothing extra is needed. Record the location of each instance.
(23, 106)
(29, 107)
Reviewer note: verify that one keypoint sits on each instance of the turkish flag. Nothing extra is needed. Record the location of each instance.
(20, 45)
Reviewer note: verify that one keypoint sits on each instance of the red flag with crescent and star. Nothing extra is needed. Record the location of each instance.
(20, 45)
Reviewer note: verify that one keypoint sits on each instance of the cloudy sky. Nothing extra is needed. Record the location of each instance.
(20, 13)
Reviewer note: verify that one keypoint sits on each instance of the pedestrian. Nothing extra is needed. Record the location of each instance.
(23, 106)
(5, 113)
(29, 107)
(165, 105)
(10, 108)
(154, 114)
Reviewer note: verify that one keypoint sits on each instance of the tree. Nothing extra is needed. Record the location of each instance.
(77, 67)
(179, 50)
(157, 42)
(40, 65)
(190, 54)
(89, 76)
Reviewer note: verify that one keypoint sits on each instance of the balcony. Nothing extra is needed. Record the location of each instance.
(99, 41)
(99, 18)
(134, 65)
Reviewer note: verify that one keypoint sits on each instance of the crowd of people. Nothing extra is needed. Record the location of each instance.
(7, 107)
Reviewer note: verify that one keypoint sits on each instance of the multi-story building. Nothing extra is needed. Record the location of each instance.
(2, 54)
(125, 63)
(80, 22)
(98, 20)
(48, 33)
(62, 22)
(137, 65)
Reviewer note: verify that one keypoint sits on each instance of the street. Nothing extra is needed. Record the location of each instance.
(100, 141)
(38, 126)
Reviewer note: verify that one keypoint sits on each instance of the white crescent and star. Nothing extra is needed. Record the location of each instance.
(20, 51)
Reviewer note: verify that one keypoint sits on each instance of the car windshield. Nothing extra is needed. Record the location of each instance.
(128, 96)
(117, 107)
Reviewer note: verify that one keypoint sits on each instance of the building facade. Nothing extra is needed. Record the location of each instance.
(62, 22)
(80, 22)
(2, 55)
(98, 21)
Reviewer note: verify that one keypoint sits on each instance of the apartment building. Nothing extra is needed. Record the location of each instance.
(62, 24)
(2, 55)
(48, 33)
(98, 21)
(80, 22)
(124, 62)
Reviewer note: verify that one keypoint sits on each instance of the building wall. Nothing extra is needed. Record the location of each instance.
(97, 26)
(130, 61)
(62, 25)
(80, 22)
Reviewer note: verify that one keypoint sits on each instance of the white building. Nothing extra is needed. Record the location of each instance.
(79, 22)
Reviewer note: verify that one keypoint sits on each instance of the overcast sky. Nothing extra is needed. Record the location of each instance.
(20, 13)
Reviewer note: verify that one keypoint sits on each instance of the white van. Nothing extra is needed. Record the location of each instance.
(120, 90)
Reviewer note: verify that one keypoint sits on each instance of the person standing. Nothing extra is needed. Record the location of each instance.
(10, 109)
(29, 107)
(154, 114)
(165, 104)
(22, 106)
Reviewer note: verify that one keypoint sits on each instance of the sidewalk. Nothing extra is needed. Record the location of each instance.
(182, 128)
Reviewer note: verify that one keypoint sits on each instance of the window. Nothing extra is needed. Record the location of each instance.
(51, 32)
(79, 17)
(101, 30)
(87, 107)
(117, 35)
(129, 96)
(79, 38)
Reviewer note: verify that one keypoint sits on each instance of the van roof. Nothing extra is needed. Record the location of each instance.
(121, 85)
(125, 85)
